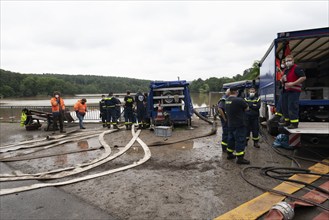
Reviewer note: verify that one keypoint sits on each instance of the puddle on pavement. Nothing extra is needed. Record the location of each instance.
(79, 157)
(185, 145)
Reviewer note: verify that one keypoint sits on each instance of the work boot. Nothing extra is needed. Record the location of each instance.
(62, 131)
(284, 123)
(127, 127)
(224, 149)
(230, 156)
(241, 160)
(293, 126)
(276, 118)
(256, 145)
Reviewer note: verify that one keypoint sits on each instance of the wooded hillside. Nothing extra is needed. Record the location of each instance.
(14, 84)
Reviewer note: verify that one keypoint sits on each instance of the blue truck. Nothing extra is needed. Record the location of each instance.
(311, 52)
(174, 98)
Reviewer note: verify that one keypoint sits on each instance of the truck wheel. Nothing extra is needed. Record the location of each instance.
(271, 126)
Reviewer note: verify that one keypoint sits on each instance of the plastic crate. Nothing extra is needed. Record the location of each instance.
(163, 131)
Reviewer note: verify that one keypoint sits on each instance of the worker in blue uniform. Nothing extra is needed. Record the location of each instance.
(103, 111)
(235, 110)
(295, 76)
(223, 119)
(128, 110)
(140, 100)
(252, 116)
(111, 103)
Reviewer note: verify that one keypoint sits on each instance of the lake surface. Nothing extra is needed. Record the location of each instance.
(198, 100)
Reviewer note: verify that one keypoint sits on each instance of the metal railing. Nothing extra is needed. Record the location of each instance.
(13, 113)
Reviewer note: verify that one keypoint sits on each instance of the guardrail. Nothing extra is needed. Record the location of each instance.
(13, 113)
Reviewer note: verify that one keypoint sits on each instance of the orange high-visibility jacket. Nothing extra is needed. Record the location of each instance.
(55, 106)
(78, 106)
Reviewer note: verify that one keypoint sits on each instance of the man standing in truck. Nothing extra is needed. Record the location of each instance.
(295, 76)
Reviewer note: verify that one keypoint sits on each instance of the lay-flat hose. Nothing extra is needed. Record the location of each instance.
(242, 173)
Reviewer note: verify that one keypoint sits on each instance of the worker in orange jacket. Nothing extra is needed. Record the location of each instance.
(57, 109)
(80, 107)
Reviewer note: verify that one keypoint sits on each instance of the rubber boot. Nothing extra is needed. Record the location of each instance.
(276, 118)
(256, 145)
(127, 127)
(230, 156)
(224, 149)
(241, 160)
(284, 123)
(293, 126)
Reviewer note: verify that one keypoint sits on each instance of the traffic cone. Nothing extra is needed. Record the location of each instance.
(160, 116)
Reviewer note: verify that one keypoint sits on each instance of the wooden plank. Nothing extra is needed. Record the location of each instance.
(261, 204)
(310, 128)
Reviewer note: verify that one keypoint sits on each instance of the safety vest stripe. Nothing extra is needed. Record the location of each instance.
(278, 113)
(223, 143)
(239, 153)
(294, 121)
(248, 100)
(229, 150)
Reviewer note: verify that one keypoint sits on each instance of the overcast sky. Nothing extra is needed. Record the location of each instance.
(154, 40)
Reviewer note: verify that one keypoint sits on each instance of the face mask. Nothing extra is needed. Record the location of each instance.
(56, 96)
(251, 94)
(289, 63)
(283, 66)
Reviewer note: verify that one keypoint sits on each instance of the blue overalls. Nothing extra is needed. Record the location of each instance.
(252, 118)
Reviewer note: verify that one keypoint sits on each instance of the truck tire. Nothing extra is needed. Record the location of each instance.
(271, 126)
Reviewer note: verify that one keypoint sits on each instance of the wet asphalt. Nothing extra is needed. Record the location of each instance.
(197, 165)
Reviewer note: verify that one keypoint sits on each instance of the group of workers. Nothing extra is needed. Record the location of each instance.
(291, 79)
(110, 108)
(240, 116)
(58, 108)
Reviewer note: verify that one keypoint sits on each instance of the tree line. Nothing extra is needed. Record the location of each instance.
(13, 84)
(214, 84)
